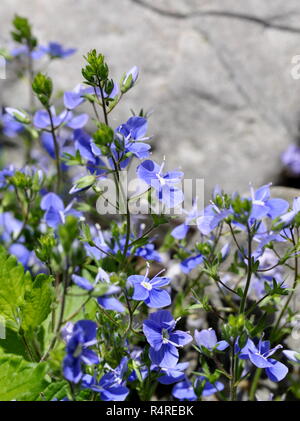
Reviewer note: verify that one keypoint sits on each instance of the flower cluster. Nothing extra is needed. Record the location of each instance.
(122, 306)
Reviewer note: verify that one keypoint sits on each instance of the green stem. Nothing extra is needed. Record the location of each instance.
(233, 375)
(249, 272)
(255, 384)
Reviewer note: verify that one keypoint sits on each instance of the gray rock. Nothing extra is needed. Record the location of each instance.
(216, 73)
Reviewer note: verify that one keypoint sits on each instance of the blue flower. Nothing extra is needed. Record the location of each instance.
(6, 172)
(90, 152)
(184, 391)
(42, 120)
(171, 375)
(83, 336)
(56, 50)
(163, 340)
(208, 339)
(187, 265)
(21, 253)
(181, 230)
(55, 211)
(209, 388)
(289, 217)
(133, 73)
(164, 184)
(138, 365)
(293, 356)
(106, 300)
(263, 205)
(291, 159)
(73, 99)
(9, 125)
(148, 252)
(35, 54)
(148, 290)
(10, 227)
(112, 385)
(212, 217)
(53, 49)
(260, 357)
(130, 137)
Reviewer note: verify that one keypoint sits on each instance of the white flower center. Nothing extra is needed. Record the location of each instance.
(146, 285)
(161, 179)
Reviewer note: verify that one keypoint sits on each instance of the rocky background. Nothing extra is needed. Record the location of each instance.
(216, 73)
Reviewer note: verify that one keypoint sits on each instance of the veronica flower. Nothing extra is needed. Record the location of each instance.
(148, 252)
(291, 159)
(209, 388)
(73, 99)
(212, 217)
(10, 227)
(163, 183)
(9, 125)
(56, 50)
(83, 336)
(289, 217)
(133, 73)
(263, 205)
(130, 136)
(149, 290)
(55, 211)
(293, 356)
(84, 144)
(106, 300)
(260, 357)
(21, 253)
(207, 338)
(35, 54)
(181, 230)
(138, 365)
(187, 265)
(47, 142)
(6, 172)
(163, 339)
(42, 120)
(184, 391)
(171, 375)
(111, 386)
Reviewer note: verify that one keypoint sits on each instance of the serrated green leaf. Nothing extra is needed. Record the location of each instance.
(20, 379)
(37, 302)
(57, 390)
(13, 283)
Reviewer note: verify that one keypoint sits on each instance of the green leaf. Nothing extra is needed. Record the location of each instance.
(37, 302)
(12, 344)
(20, 379)
(13, 283)
(42, 86)
(57, 390)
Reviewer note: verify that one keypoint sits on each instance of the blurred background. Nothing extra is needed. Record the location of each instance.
(216, 73)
